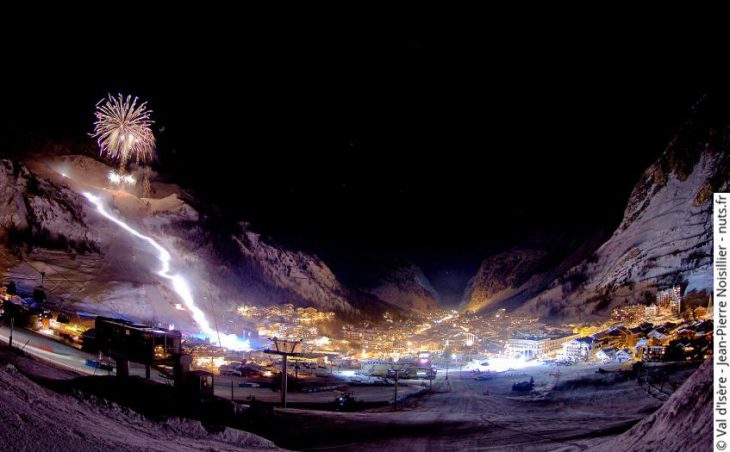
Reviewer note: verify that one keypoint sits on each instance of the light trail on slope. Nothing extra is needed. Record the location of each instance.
(179, 284)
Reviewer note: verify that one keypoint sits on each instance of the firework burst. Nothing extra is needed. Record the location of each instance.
(123, 129)
(121, 179)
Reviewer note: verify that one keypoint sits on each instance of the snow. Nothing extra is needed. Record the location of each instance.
(684, 422)
(95, 267)
(699, 280)
(664, 238)
(668, 228)
(40, 207)
(296, 272)
(111, 273)
(576, 410)
(36, 418)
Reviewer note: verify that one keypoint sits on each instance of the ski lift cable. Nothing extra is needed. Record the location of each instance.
(79, 287)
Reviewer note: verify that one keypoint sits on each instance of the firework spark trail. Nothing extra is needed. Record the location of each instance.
(123, 129)
(179, 284)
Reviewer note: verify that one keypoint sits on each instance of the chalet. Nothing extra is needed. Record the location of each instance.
(660, 335)
(700, 312)
(606, 355)
(624, 355)
(633, 335)
(686, 333)
(612, 338)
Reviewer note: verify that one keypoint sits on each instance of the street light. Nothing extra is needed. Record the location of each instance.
(396, 369)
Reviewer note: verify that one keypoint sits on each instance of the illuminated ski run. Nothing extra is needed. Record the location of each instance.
(179, 284)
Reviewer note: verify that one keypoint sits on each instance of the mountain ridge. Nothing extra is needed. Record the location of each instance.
(47, 226)
(664, 237)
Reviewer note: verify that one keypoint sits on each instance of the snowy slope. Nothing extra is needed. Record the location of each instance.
(665, 238)
(36, 418)
(666, 233)
(100, 268)
(241, 264)
(684, 422)
(46, 225)
(37, 209)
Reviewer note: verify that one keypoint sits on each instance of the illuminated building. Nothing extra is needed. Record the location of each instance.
(536, 347)
(675, 306)
(629, 313)
(670, 300)
(577, 349)
(527, 348)
(650, 311)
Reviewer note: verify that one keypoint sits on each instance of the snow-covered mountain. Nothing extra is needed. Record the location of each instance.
(397, 281)
(665, 238)
(510, 278)
(34, 208)
(510, 275)
(240, 263)
(48, 226)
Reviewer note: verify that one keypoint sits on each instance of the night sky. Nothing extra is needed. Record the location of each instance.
(441, 146)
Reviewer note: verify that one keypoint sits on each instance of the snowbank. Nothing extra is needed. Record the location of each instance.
(684, 422)
(36, 418)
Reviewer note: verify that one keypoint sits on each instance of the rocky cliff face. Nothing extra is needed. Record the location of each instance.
(239, 264)
(35, 211)
(509, 279)
(511, 275)
(397, 282)
(665, 237)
